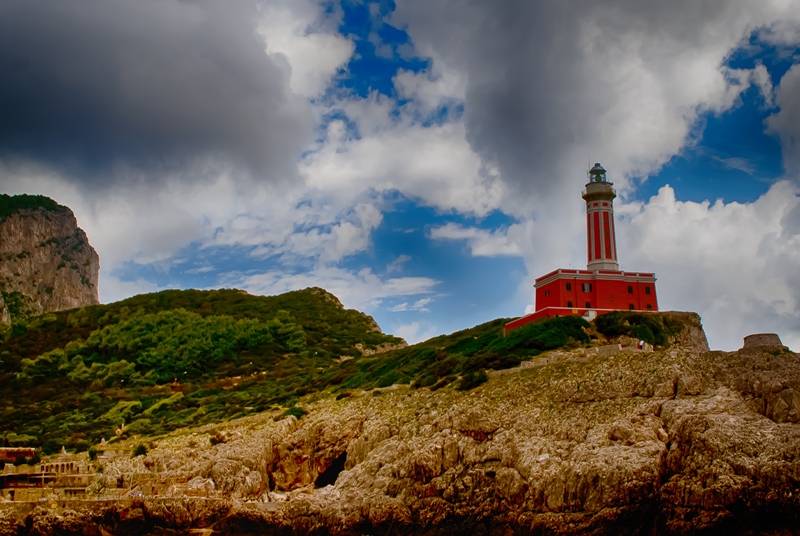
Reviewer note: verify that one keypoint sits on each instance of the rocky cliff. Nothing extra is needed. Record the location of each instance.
(46, 262)
(675, 441)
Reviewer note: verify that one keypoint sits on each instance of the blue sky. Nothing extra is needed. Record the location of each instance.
(423, 161)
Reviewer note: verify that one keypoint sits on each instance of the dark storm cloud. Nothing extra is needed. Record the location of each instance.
(548, 79)
(90, 87)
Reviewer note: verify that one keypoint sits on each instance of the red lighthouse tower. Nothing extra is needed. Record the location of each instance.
(602, 287)
(600, 237)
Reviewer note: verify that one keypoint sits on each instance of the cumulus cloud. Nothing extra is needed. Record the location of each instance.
(350, 235)
(786, 122)
(735, 264)
(360, 290)
(548, 83)
(114, 90)
(307, 36)
(430, 90)
(433, 164)
(482, 243)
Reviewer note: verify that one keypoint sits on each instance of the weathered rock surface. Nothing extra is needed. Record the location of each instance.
(674, 441)
(46, 263)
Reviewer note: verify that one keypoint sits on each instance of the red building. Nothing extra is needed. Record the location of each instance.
(602, 287)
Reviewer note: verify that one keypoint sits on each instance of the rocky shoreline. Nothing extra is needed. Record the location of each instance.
(676, 441)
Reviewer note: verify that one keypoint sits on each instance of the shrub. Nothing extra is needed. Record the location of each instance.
(140, 450)
(472, 379)
(643, 333)
(610, 324)
(651, 328)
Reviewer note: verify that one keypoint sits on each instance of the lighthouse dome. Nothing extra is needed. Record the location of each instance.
(597, 173)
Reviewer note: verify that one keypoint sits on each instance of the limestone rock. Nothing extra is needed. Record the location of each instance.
(46, 262)
(674, 441)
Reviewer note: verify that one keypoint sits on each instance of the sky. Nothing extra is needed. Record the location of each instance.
(421, 160)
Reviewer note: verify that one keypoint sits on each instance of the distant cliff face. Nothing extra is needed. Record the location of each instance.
(46, 262)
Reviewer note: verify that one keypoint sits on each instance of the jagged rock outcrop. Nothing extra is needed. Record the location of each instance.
(46, 262)
(675, 441)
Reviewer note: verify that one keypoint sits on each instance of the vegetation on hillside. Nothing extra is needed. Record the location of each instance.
(170, 359)
(655, 329)
(11, 204)
(18, 304)
(161, 361)
(439, 361)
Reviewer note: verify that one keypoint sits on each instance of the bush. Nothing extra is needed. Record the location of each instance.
(651, 328)
(140, 450)
(472, 379)
(643, 333)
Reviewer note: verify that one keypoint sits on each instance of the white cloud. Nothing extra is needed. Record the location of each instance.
(431, 89)
(760, 77)
(113, 289)
(742, 164)
(394, 152)
(397, 264)
(415, 332)
(482, 243)
(350, 235)
(200, 270)
(362, 290)
(303, 32)
(735, 264)
(419, 305)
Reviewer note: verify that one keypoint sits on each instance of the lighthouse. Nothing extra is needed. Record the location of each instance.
(602, 287)
(601, 242)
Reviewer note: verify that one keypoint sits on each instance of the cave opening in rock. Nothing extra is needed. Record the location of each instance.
(329, 476)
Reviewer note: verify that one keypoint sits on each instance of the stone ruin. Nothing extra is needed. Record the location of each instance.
(762, 341)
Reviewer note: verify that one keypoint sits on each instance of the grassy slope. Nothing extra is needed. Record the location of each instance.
(71, 378)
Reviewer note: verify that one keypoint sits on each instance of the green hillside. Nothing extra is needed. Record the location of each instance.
(11, 204)
(178, 358)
